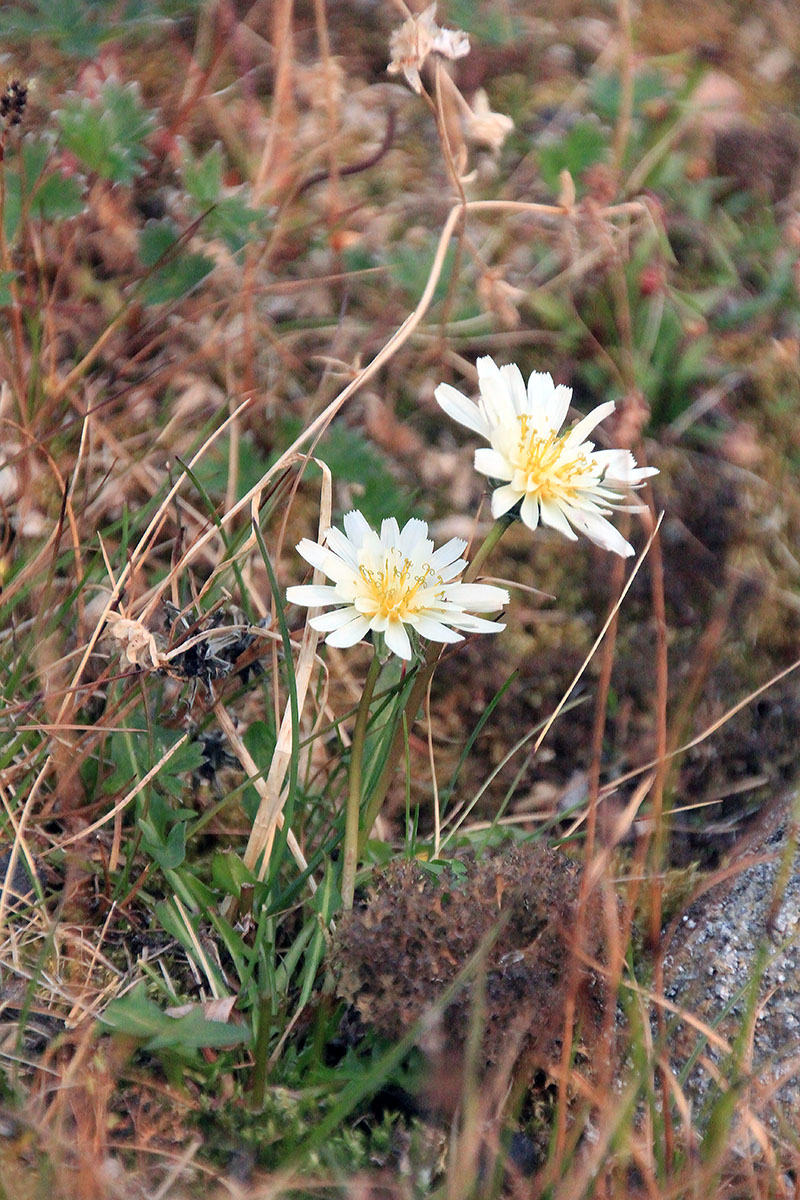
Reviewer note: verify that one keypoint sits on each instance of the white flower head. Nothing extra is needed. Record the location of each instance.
(418, 37)
(391, 582)
(557, 478)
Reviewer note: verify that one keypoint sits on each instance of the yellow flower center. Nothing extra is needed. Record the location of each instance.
(549, 468)
(392, 590)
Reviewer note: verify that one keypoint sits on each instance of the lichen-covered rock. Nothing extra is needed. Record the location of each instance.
(723, 941)
(396, 954)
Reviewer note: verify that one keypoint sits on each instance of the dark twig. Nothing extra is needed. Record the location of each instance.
(362, 165)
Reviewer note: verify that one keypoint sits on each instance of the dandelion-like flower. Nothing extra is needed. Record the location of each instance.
(391, 582)
(557, 478)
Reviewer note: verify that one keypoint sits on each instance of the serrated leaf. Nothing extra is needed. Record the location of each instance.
(202, 177)
(108, 134)
(179, 274)
(352, 458)
(226, 213)
(58, 197)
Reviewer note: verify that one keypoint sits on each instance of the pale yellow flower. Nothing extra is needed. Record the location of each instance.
(557, 478)
(391, 582)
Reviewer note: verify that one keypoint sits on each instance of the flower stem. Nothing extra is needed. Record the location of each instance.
(487, 546)
(419, 687)
(351, 839)
(412, 705)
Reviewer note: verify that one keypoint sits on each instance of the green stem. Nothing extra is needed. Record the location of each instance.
(410, 710)
(417, 693)
(258, 1082)
(354, 796)
(487, 546)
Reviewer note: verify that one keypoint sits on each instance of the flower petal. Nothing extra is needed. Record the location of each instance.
(587, 424)
(348, 635)
(313, 595)
(336, 541)
(335, 619)
(558, 406)
(429, 627)
(356, 527)
(504, 498)
(490, 462)
(462, 410)
(413, 542)
(471, 624)
(601, 531)
(448, 554)
(390, 533)
(397, 638)
(529, 511)
(619, 468)
(553, 515)
(325, 560)
(515, 387)
(495, 397)
(481, 597)
(445, 574)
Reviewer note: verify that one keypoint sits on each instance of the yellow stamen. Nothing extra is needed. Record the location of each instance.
(393, 590)
(548, 468)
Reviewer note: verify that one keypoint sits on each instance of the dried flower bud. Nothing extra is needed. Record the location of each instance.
(418, 37)
(136, 642)
(485, 127)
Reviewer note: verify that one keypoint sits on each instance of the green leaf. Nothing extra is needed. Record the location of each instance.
(202, 177)
(352, 458)
(188, 758)
(179, 274)
(12, 207)
(108, 134)
(585, 144)
(411, 268)
(230, 874)
(137, 1017)
(168, 852)
(489, 25)
(607, 89)
(225, 211)
(58, 197)
(260, 741)
(6, 279)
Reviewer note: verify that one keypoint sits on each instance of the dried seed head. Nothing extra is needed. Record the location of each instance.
(12, 103)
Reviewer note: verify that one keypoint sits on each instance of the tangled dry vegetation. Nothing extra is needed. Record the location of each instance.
(236, 258)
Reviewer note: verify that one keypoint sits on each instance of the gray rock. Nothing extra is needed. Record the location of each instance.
(21, 883)
(724, 941)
